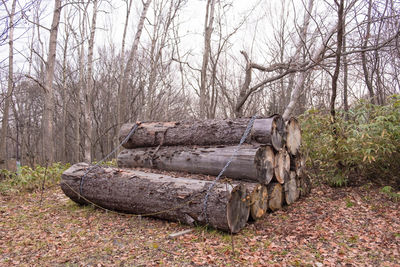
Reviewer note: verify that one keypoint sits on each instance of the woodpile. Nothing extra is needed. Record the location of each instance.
(266, 173)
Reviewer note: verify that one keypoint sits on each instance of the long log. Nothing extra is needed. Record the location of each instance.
(258, 196)
(254, 164)
(161, 196)
(204, 133)
(293, 136)
(275, 196)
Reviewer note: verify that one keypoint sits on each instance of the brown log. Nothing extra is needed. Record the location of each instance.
(297, 164)
(275, 196)
(304, 185)
(276, 131)
(258, 196)
(291, 188)
(282, 165)
(293, 136)
(203, 133)
(161, 196)
(254, 164)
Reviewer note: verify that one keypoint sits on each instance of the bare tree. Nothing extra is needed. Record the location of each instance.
(208, 29)
(339, 44)
(89, 87)
(10, 82)
(123, 96)
(47, 120)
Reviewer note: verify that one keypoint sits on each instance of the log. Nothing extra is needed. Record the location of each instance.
(160, 196)
(297, 164)
(276, 131)
(282, 166)
(293, 136)
(258, 196)
(254, 164)
(292, 188)
(304, 185)
(203, 133)
(275, 196)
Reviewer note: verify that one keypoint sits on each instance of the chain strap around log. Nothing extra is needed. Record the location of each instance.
(244, 137)
(131, 132)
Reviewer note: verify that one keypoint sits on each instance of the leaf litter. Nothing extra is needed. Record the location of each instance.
(332, 227)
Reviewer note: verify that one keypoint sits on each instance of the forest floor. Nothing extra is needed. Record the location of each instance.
(356, 226)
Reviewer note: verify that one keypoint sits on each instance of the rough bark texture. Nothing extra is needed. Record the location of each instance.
(275, 196)
(292, 189)
(254, 164)
(202, 133)
(161, 196)
(293, 136)
(282, 166)
(258, 196)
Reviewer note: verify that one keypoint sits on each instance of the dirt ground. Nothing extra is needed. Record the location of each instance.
(356, 226)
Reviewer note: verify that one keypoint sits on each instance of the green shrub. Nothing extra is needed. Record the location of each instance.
(28, 179)
(366, 146)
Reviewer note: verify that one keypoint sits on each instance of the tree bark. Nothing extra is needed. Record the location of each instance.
(293, 136)
(161, 196)
(275, 196)
(203, 133)
(254, 164)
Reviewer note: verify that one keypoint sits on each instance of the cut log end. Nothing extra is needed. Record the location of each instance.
(282, 166)
(265, 162)
(275, 196)
(292, 189)
(238, 210)
(258, 201)
(293, 138)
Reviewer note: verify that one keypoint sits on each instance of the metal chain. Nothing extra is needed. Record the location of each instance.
(244, 137)
(131, 132)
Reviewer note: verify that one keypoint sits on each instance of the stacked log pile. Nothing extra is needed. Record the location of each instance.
(266, 173)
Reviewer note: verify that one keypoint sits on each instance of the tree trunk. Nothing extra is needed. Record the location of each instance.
(293, 136)
(48, 112)
(275, 196)
(10, 85)
(258, 196)
(282, 166)
(161, 196)
(208, 28)
(89, 88)
(123, 92)
(203, 133)
(292, 188)
(254, 164)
